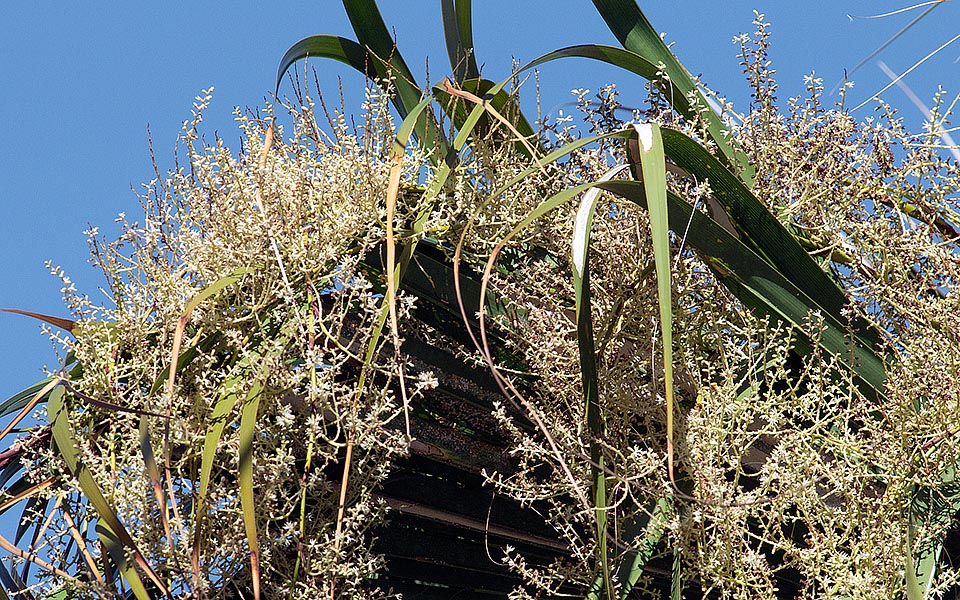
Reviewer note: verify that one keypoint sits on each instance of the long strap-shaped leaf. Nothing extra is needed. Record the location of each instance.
(248, 428)
(756, 282)
(458, 34)
(648, 145)
(635, 33)
(112, 532)
(760, 229)
(927, 505)
(372, 33)
(593, 413)
(762, 232)
(763, 289)
(375, 56)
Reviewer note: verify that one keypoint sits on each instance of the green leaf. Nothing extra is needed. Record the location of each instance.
(248, 428)
(372, 33)
(762, 232)
(646, 146)
(111, 531)
(928, 506)
(624, 59)
(22, 398)
(374, 55)
(753, 279)
(215, 287)
(458, 34)
(762, 288)
(635, 33)
(647, 531)
(217, 421)
(593, 412)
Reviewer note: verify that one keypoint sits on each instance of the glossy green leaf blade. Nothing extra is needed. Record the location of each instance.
(762, 232)
(647, 145)
(372, 33)
(650, 530)
(215, 425)
(624, 59)
(22, 398)
(331, 47)
(632, 29)
(406, 94)
(215, 287)
(928, 505)
(589, 377)
(248, 429)
(458, 34)
(757, 284)
(8, 471)
(762, 288)
(114, 536)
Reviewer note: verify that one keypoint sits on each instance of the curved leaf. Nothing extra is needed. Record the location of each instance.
(458, 34)
(23, 397)
(111, 531)
(646, 147)
(593, 413)
(625, 59)
(762, 232)
(248, 424)
(632, 29)
(762, 288)
(65, 324)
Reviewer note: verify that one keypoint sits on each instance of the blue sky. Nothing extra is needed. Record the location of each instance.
(81, 82)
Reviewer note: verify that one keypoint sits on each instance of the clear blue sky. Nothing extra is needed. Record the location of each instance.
(81, 81)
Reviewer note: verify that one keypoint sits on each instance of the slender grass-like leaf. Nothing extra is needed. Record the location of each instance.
(643, 544)
(919, 570)
(632, 29)
(372, 33)
(593, 412)
(406, 96)
(646, 148)
(224, 406)
(214, 288)
(458, 34)
(751, 278)
(13, 583)
(762, 288)
(111, 530)
(29, 406)
(248, 428)
(762, 232)
(928, 505)
(65, 324)
(204, 294)
(20, 399)
(676, 575)
(626, 60)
